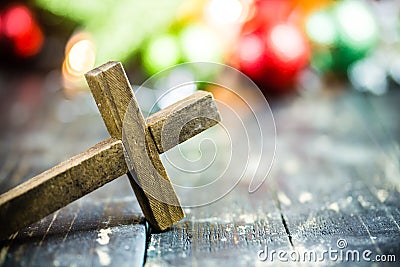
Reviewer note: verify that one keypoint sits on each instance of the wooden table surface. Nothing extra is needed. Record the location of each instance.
(335, 178)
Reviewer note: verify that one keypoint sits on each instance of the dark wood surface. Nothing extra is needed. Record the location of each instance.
(335, 176)
(59, 186)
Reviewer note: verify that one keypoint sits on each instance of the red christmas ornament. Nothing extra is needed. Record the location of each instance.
(17, 21)
(251, 55)
(267, 13)
(20, 27)
(273, 58)
(271, 50)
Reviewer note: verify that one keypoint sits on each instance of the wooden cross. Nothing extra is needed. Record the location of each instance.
(102, 163)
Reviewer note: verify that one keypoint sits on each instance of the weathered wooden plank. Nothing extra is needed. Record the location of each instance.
(70, 240)
(59, 186)
(121, 113)
(378, 118)
(380, 176)
(325, 161)
(329, 183)
(91, 232)
(323, 198)
(183, 120)
(232, 230)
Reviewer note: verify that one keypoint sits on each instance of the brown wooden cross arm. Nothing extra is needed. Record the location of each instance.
(102, 163)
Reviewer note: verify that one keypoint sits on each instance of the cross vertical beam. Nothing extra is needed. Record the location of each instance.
(114, 96)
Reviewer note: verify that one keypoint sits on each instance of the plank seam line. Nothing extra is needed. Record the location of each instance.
(148, 240)
(284, 223)
(286, 229)
(154, 139)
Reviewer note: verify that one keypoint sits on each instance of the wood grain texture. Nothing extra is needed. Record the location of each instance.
(121, 113)
(326, 182)
(336, 176)
(231, 230)
(62, 184)
(183, 120)
(94, 231)
(113, 93)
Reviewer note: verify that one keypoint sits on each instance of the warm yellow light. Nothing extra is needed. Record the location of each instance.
(82, 56)
(224, 11)
(199, 43)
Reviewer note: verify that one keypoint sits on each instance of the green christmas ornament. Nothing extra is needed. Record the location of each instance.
(160, 53)
(341, 34)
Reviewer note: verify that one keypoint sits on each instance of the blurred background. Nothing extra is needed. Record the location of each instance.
(286, 47)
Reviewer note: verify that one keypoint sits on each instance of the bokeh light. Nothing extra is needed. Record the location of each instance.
(224, 11)
(31, 43)
(161, 52)
(341, 33)
(80, 57)
(251, 50)
(321, 29)
(271, 41)
(368, 76)
(287, 42)
(273, 57)
(17, 21)
(200, 44)
(356, 24)
(20, 27)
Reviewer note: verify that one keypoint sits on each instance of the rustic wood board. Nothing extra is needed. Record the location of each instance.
(77, 234)
(86, 233)
(332, 186)
(328, 183)
(336, 176)
(62, 184)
